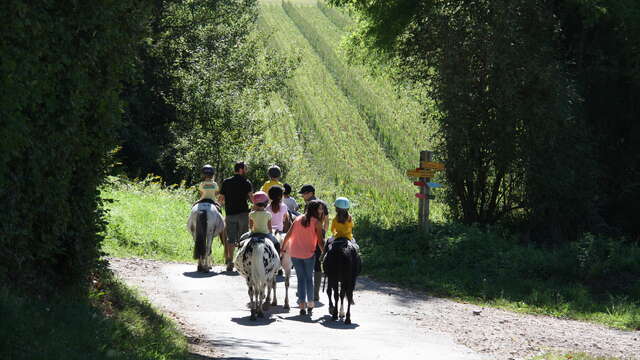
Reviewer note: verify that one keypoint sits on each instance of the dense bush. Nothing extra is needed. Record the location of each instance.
(112, 323)
(61, 67)
(537, 119)
(595, 278)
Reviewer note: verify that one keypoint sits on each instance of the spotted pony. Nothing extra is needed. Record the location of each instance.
(258, 262)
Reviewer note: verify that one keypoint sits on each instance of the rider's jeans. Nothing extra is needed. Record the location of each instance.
(304, 273)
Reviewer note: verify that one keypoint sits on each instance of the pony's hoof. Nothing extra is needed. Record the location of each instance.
(253, 315)
(260, 314)
(286, 307)
(310, 311)
(347, 321)
(274, 303)
(303, 312)
(265, 305)
(334, 317)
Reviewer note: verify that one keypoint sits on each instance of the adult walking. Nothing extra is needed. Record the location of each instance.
(308, 193)
(301, 242)
(235, 192)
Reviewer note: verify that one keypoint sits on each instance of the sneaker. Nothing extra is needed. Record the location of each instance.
(311, 304)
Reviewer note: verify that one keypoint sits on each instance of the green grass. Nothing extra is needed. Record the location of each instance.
(111, 322)
(571, 356)
(337, 149)
(148, 221)
(490, 268)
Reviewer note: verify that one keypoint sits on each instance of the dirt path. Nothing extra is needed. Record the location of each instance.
(387, 323)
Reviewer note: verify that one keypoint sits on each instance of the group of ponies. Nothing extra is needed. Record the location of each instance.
(258, 261)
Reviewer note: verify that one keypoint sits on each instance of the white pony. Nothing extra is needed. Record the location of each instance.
(205, 222)
(285, 262)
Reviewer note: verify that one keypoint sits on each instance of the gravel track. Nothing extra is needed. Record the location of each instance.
(388, 321)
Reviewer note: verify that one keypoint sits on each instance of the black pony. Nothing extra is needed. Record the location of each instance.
(342, 265)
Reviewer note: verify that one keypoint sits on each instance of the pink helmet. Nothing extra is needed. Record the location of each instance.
(260, 197)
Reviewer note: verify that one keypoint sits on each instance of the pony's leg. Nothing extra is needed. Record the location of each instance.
(207, 257)
(253, 303)
(342, 294)
(334, 287)
(275, 298)
(349, 287)
(267, 300)
(329, 290)
(261, 300)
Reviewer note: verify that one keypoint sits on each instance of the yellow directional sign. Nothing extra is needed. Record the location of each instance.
(432, 165)
(421, 173)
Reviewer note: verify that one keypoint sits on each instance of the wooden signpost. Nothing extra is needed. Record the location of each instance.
(425, 172)
(420, 173)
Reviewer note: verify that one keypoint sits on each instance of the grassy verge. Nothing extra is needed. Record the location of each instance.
(594, 280)
(572, 356)
(149, 221)
(111, 322)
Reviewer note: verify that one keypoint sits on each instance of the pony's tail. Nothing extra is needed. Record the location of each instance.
(258, 272)
(201, 235)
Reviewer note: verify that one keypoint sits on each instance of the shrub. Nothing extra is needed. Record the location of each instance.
(61, 68)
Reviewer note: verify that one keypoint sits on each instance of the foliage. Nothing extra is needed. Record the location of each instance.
(114, 324)
(595, 279)
(148, 219)
(602, 41)
(534, 71)
(61, 67)
(204, 74)
(340, 20)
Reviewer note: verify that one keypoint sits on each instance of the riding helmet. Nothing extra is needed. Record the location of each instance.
(342, 203)
(274, 172)
(260, 197)
(208, 170)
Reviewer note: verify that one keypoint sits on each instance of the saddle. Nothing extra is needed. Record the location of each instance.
(340, 243)
(209, 201)
(257, 237)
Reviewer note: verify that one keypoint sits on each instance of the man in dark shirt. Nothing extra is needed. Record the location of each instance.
(234, 194)
(308, 193)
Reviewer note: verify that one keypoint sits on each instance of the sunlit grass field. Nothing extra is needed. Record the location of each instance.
(148, 221)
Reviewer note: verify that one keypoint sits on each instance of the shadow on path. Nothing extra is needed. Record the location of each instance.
(327, 321)
(199, 275)
(245, 321)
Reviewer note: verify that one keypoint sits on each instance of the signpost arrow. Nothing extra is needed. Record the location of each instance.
(421, 196)
(433, 185)
(432, 165)
(419, 183)
(421, 173)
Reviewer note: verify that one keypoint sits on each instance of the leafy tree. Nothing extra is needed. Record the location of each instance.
(62, 65)
(206, 70)
(521, 86)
